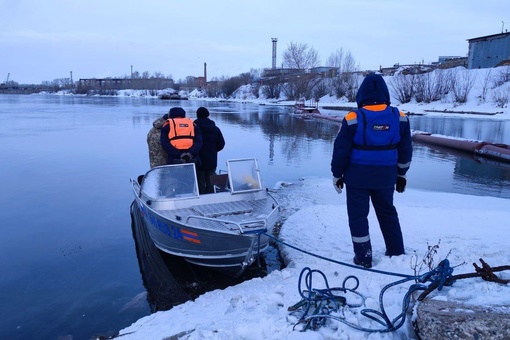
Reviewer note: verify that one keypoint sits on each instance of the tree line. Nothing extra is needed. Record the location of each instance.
(453, 84)
(300, 58)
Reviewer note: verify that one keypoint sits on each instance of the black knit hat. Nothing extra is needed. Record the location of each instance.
(202, 112)
(177, 112)
(165, 116)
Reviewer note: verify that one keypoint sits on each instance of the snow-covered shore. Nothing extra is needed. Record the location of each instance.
(474, 107)
(465, 229)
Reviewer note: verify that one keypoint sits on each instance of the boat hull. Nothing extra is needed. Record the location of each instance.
(300, 108)
(225, 230)
(229, 252)
(306, 110)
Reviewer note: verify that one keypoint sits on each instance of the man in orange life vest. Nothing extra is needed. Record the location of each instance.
(181, 138)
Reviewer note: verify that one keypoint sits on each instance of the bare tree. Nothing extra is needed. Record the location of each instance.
(503, 76)
(483, 85)
(290, 90)
(300, 56)
(352, 82)
(346, 82)
(350, 78)
(462, 85)
(190, 81)
(348, 64)
(158, 75)
(421, 84)
(321, 89)
(336, 59)
(501, 96)
(433, 86)
(256, 73)
(402, 87)
(301, 86)
(230, 85)
(272, 88)
(213, 89)
(56, 84)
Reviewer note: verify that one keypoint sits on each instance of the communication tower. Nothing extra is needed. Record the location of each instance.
(274, 40)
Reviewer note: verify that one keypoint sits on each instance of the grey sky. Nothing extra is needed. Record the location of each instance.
(46, 39)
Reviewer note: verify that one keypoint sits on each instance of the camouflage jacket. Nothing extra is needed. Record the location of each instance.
(157, 156)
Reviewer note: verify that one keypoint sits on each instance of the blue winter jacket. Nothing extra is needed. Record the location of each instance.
(374, 143)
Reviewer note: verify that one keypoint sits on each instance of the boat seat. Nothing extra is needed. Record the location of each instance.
(221, 209)
(219, 182)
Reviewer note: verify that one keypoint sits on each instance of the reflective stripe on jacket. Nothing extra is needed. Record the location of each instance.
(181, 133)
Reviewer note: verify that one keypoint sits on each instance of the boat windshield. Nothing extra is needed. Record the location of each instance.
(244, 175)
(171, 181)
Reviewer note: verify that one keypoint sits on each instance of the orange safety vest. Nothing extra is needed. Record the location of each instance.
(181, 133)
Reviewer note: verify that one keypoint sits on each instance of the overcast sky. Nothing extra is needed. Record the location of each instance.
(45, 40)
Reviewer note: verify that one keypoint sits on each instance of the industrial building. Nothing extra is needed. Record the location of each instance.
(489, 51)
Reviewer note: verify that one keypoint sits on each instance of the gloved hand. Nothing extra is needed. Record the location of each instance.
(338, 183)
(401, 184)
(186, 157)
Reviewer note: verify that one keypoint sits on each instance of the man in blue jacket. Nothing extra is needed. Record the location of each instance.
(371, 155)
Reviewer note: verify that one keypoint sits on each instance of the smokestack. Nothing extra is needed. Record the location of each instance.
(205, 73)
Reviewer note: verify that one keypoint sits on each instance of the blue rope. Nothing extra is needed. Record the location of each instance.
(317, 305)
(442, 275)
(325, 301)
(339, 262)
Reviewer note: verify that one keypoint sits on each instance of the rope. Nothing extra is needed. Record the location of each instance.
(339, 262)
(486, 273)
(317, 305)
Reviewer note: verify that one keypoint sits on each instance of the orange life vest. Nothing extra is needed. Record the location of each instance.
(181, 133)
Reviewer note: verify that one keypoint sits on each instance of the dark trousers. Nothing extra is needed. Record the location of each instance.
(204, 181)
(358, 205)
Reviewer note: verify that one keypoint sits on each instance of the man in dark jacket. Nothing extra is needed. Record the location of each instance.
(371, 155)
(181, 138)
(213, 142)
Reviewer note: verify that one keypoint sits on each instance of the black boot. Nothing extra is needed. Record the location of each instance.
(366, 263)
(363, 254)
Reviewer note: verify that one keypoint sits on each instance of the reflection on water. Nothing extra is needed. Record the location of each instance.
(67, 260)
(449, 170)
(480, 129)
(456, 171)
(170, 280)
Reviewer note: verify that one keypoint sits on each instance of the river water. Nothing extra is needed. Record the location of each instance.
(68, 260)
